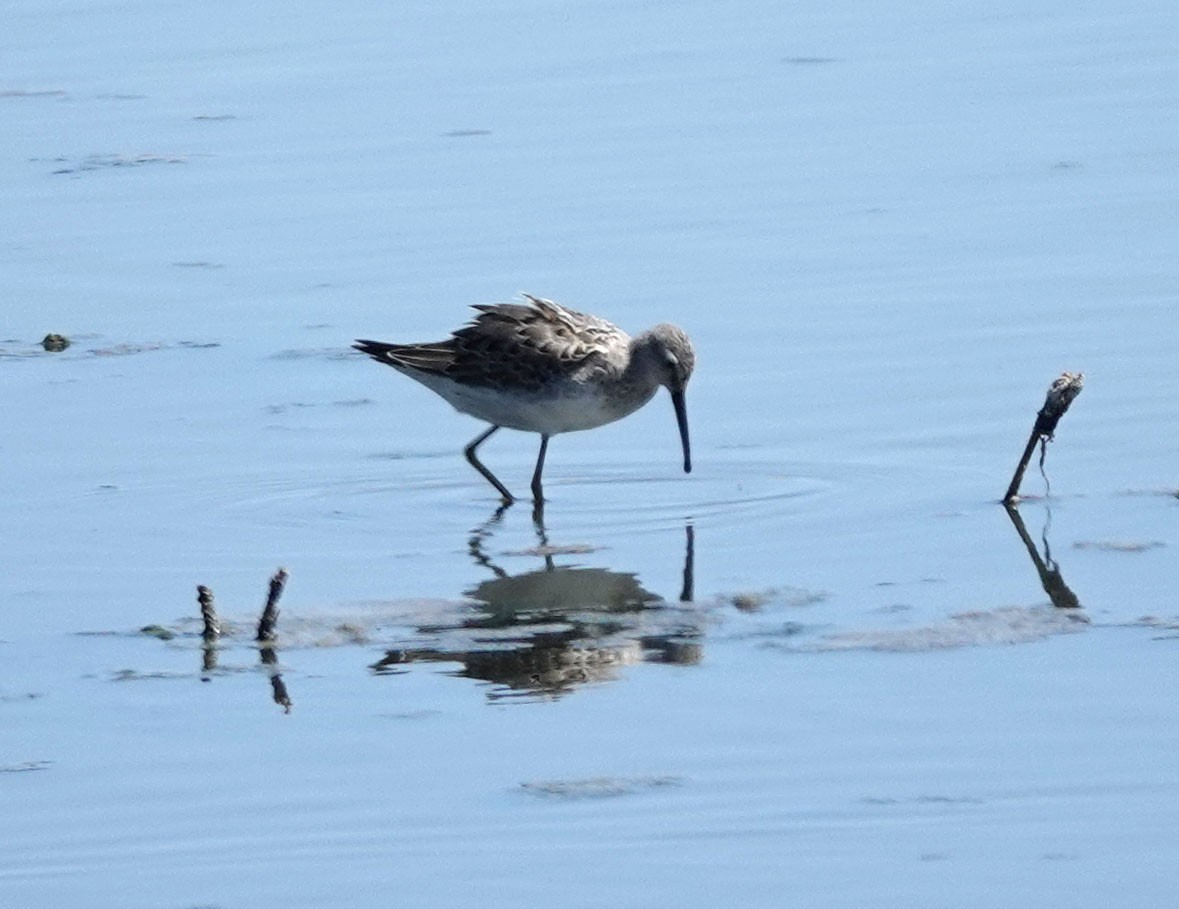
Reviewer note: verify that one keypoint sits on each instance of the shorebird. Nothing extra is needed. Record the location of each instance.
(539, 367)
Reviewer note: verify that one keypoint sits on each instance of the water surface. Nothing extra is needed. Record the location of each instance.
(826, 667)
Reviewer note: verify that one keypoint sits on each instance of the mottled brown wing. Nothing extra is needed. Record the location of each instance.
(520, 345)
(525, 346)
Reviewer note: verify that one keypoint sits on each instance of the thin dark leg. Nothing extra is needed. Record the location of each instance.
(537, 489)
(469, 451)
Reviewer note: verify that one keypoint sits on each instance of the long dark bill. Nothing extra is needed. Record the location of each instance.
(681, 417)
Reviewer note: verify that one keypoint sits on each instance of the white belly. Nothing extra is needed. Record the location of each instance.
(571, 409)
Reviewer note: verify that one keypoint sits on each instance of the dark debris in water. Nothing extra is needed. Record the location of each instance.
(758, 600)
(603, 787)
(157, 631)
(55, 343)
(749, 602)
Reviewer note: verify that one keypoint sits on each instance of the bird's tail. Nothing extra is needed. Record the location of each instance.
(378, 350)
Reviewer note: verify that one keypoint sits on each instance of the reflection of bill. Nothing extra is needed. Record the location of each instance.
(549, 630)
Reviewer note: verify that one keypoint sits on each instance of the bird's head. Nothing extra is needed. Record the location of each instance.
(673, 356)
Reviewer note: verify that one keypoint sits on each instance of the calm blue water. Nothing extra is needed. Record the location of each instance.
(825, 667)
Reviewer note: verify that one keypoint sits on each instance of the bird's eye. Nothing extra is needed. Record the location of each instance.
(672, 359)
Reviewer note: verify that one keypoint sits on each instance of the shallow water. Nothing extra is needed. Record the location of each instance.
(825, 667)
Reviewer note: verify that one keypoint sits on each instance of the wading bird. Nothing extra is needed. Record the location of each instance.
(539, 367)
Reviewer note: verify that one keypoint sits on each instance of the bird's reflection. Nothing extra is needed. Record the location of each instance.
(1051, 579)
(546, 631)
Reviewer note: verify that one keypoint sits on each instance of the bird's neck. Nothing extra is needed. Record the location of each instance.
(638, 381)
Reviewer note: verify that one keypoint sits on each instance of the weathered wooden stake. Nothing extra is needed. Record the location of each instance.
(270, 612)
(1060, 396)
(208, 614)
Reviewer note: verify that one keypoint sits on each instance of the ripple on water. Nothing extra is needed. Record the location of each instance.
(598, 787)
(631, 497)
